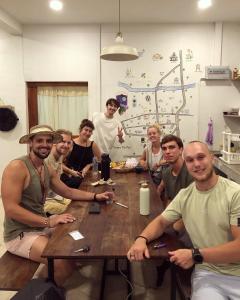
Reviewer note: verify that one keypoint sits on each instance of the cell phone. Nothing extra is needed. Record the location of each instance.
(94, 208)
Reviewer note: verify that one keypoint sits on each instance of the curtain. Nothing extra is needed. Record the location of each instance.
(62, 107)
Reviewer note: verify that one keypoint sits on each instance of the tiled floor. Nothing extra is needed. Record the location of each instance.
(85, 282)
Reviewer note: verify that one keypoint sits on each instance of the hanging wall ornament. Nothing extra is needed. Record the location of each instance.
(8, 118)
(123, 102)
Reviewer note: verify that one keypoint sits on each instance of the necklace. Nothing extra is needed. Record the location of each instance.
(41, 180)
(82, 144)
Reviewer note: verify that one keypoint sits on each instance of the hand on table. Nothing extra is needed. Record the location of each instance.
(105, 196)
(138, 251)
(54, 220)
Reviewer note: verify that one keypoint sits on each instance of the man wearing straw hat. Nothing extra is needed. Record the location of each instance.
(25, 182)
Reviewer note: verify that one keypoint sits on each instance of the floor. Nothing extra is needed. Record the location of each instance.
(85, 282)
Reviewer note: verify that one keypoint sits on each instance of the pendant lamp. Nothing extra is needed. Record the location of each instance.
(119, 51)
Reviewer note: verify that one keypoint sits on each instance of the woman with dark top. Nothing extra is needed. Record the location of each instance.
(83, 151)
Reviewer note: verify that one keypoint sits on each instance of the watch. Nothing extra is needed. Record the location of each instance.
(197, 256)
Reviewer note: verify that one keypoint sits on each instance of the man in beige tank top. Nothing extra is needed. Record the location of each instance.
(25, 183)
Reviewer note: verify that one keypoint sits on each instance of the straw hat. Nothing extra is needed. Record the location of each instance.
(41, 129)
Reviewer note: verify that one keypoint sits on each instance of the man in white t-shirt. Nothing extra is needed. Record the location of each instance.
(107, 128)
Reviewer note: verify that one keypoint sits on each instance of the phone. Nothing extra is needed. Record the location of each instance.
(94, 208)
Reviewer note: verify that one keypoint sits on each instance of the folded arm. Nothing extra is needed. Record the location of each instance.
(225, 253)
(222, 254)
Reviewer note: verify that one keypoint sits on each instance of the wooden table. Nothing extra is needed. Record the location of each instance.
(110, 233)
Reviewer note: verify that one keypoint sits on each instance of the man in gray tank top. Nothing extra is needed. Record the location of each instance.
(25, 183)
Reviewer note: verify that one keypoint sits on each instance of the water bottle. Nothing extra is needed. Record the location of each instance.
(144, 204)
(105, 169)
(95, 166)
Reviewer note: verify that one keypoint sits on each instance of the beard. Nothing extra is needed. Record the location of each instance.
(40, 155)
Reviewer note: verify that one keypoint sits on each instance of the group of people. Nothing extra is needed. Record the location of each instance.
(29, 180)
(105, 130)
(207, 208)
(201, 205)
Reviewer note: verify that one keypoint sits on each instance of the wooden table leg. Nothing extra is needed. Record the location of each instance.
(173, 282)
(104, 273)
(129, 279)
(51, 270)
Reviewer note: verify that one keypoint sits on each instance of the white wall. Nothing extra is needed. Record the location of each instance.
(212, 44)
(64, 53)
(12, 92)
(217, 96)
(161, 39)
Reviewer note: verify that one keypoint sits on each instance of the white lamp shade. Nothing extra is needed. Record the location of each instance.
(119, 51)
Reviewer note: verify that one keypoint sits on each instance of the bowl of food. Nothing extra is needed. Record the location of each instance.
(120, 167)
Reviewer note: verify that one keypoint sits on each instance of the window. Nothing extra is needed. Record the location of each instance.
(60, 105)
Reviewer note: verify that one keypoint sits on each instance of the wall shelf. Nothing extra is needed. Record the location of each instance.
(220, 79)
(231, 116)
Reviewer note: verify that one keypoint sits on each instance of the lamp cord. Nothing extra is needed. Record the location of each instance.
(119, 14)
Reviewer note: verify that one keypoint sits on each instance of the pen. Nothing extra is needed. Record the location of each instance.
(120, 204)
(83, 249)
(159, 245)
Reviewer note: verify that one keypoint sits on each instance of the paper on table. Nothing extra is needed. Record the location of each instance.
(76, 235)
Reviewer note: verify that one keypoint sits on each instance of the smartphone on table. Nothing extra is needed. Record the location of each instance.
(94, 208)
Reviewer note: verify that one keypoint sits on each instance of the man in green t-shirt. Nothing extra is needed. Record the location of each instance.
(210, 209)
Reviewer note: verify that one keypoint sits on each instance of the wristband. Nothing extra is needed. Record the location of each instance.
(143, 237)
(95, 197)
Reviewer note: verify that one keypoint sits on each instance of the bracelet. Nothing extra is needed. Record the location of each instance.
(46, 222)
(95, 197)
(143, 237)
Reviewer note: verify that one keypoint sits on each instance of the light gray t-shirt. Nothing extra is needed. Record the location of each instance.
(208, 216)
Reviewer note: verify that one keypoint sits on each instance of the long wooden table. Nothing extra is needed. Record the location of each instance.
(110, 233)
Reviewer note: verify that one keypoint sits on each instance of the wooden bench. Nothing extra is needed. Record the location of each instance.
(183, 281)
(15, 272)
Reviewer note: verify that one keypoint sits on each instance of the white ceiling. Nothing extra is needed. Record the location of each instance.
(132, 11)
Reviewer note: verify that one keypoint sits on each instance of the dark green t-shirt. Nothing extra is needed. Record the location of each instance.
(173, 184)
